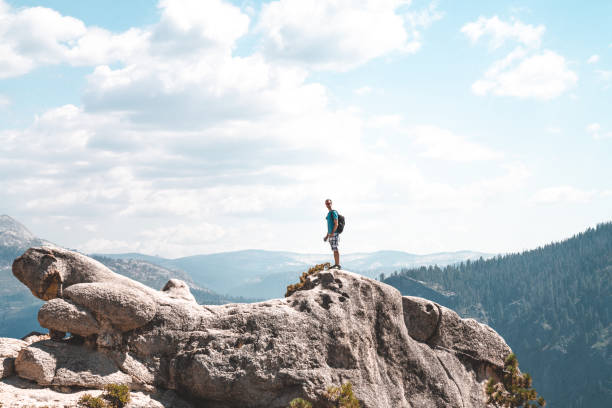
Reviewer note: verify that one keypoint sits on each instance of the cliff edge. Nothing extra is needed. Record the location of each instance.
(396, 351)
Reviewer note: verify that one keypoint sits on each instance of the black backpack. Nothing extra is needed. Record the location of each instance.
(340, 223)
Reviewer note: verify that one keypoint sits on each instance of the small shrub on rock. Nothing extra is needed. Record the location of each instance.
(514, 390)
(300, 403)
(89, 401)
(291, 289)
(342, 397)
(117, 395)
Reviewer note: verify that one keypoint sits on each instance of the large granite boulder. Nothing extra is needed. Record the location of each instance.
(57, 363)
(396, 351)
(442, 328)
(47, 270)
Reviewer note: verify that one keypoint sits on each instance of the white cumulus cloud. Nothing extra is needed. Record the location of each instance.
(185, 75)
(593, 59)
(187, 26)
(342, 34)
(35, 36)
(542, 76)
(525, 72)
(500, 31)
(595, 130)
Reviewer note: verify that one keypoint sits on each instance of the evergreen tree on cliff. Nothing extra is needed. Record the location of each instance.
(515, 389)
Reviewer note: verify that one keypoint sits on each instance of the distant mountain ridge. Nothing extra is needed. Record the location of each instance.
(156, 276)
(14, 239)
(256, 272)
(20, 308)
(240, 276)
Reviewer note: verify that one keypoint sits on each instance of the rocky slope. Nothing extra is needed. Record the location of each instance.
(396, 351)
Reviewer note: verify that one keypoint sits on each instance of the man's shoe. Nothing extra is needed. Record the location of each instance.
(336, 266)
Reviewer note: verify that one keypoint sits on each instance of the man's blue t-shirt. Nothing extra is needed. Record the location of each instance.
(330, 220)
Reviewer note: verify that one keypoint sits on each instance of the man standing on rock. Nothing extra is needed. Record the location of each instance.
(332, 235)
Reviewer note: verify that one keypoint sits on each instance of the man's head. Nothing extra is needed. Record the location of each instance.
(328, 203)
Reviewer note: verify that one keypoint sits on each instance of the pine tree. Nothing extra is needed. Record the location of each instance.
(515, 389)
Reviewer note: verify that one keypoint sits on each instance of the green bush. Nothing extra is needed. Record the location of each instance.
(300, 403)
(342, 397)
(514, 390)
(117, 395)
(89, 401)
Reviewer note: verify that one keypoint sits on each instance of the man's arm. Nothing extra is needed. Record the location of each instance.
(327, 234)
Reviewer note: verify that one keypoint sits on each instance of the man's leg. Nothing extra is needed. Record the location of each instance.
(333, 242)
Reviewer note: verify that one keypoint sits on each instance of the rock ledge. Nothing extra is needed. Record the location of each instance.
(396, 351)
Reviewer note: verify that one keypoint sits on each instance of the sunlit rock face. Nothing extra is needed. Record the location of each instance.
(396, 351)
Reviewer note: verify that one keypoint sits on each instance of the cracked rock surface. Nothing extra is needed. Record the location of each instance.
(396, 351)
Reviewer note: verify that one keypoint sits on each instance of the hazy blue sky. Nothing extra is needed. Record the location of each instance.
(193, 126)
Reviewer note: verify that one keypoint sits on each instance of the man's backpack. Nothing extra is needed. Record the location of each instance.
(340, 224)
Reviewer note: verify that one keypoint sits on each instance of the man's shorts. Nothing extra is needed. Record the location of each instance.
(333, 241)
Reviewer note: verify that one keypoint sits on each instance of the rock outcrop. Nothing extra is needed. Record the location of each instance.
(9, 348)
(396, 351)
